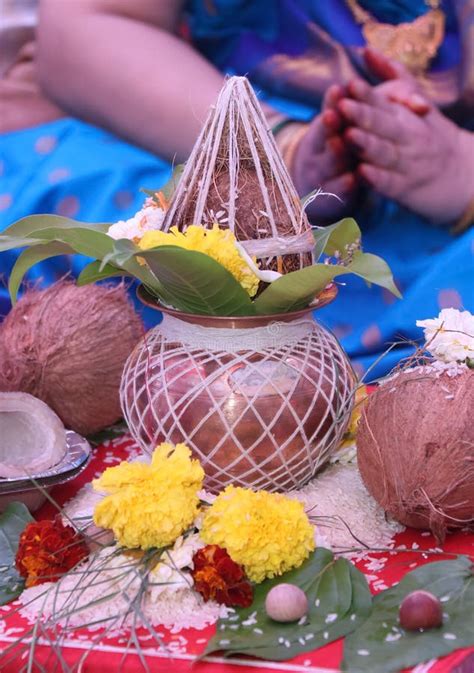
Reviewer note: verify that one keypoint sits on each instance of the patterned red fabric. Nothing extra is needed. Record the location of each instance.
(112, 656)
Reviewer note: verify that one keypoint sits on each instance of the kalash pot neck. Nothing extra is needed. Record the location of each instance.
(239, 322)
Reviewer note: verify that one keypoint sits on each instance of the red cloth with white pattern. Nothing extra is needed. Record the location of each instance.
(110, 655)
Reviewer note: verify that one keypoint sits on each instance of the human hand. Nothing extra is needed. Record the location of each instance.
(321, 159)
(410, 152)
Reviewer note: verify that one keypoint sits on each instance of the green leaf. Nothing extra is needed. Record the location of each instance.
(170, 187)
(336, 238)
(33, 223)
(12, 523)
(96, 271)
(368, 649)
(29, 258)
(339, 600)
(196, 283)
(12, 242)
(297, 289)
(374, 269)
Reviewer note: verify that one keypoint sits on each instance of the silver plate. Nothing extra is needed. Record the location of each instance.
(77, 455)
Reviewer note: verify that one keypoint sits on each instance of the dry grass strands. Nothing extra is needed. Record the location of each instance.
(236, 176)
(67, 345)
(415, 444)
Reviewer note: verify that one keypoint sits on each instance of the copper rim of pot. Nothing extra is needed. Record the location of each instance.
(325, 297)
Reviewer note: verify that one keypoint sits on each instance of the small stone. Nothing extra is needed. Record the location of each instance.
(420, 610)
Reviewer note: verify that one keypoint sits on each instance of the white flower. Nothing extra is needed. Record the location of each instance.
(148, 218)
(450, 336)
(168, 575)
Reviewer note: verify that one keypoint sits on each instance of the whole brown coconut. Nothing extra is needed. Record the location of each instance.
(67, 345)
(250, 221)
(415, 443)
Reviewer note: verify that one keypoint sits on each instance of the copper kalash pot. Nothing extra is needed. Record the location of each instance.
(260, 400)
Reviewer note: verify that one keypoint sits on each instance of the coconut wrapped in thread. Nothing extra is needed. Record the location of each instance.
(415, 448)
(236, 177)
(67, 346)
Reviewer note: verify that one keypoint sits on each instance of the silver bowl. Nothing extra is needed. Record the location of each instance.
(30, 489)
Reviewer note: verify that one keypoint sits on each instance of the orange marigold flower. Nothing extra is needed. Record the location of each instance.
(47, 550)
(217, 577)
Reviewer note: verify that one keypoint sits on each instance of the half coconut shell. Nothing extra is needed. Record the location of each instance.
(32, 437)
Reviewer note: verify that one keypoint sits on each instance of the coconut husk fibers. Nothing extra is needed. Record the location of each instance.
(235, 170)
(67, 345)
(415, 448)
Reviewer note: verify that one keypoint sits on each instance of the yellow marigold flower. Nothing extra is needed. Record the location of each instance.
(265, 532)
(217, 243)
(150, 505)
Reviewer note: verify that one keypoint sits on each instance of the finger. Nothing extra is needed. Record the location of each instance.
(387, 182)
(337, 149)
(333, 121)
(373, 149)
(360, 90)
(333, 94)
(371, 118)
(343, 185)
(414, 102)
(383, 67)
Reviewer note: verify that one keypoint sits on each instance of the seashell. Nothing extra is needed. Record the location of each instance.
(32, 437)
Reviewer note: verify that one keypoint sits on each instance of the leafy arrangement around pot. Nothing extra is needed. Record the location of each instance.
(230, 237)
(199, 271)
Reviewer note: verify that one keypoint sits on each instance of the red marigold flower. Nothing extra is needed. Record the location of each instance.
(47, 550)
(217, 577)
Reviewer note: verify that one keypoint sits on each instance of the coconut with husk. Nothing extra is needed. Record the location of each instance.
(415, 447)
(235, 177)
(67, 346)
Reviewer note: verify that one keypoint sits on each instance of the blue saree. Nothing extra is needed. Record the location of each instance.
(291, 50)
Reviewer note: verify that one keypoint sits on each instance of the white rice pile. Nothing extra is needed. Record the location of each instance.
(343, 512)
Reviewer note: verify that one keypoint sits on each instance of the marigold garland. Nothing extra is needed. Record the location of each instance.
(265, 532)
(47, 550)
(220, 244)
(217, 577)
(150, 505)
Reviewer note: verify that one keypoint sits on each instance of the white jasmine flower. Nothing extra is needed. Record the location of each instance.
(168, 575)
(450, 336)
(150, 217)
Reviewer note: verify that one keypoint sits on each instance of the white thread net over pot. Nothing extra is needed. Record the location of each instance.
(261, 407)
(235, 176)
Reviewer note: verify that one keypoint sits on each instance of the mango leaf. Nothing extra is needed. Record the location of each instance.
(33, 223)
(339, 601)
(380, 645)
(12, 242)
(96, 271)
(374, 269)
(336, 237)
(297, 289)
(12, 523)
(196, 283)
(29, 258)
(85, 241)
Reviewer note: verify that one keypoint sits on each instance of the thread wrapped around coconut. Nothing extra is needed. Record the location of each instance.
(236, 176)
(415, 448)
(67, 346)
(32, 437)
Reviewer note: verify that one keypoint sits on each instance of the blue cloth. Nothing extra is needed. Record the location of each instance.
(72, 168)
